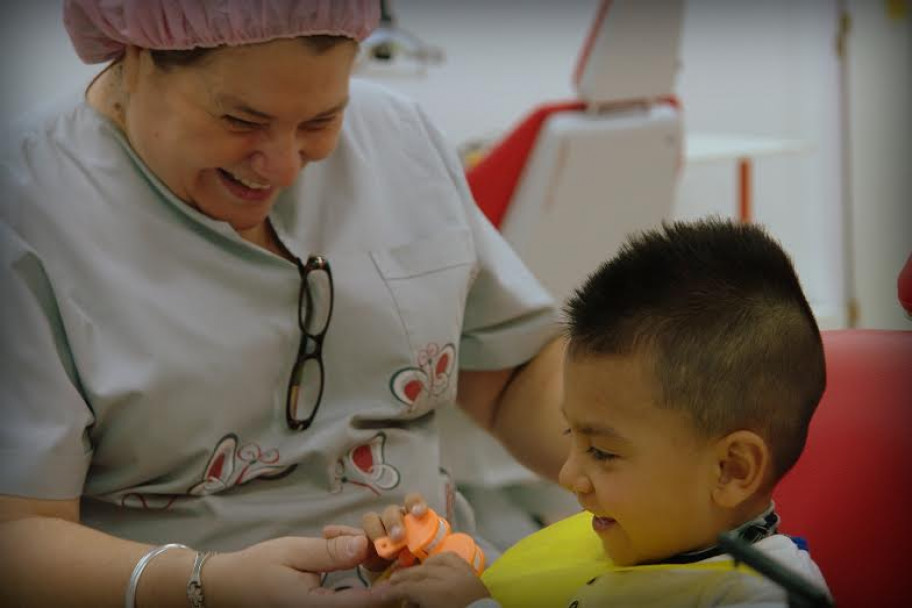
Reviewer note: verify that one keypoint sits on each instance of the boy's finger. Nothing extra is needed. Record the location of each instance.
(447, 560)
(411, 575)
(386, 592)
(415, 504)
(405, 593)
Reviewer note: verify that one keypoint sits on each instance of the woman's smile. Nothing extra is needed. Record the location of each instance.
(245, 190)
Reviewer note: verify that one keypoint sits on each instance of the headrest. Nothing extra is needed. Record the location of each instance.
(631, 52)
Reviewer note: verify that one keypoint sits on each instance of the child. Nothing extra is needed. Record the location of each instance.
(693, 368)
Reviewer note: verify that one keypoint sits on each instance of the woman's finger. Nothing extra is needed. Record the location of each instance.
(326, 555)
(415, 504)
(393, 523)
(335, 530)
(373, 526)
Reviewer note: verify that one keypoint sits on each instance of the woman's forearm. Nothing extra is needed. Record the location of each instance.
(47, 558)
(47, 561)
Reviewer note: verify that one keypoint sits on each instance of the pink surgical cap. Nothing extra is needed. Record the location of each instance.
(100, 29)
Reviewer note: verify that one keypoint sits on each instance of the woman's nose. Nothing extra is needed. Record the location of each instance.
(279, 159)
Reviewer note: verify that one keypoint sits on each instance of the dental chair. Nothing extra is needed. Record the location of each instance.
(573, 179)
(565, 187)
(850, 494)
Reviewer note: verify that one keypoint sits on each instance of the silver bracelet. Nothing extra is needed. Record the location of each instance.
(195, 585)
(130, 595)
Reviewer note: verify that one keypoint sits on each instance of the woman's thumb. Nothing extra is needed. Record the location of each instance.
(326, 555)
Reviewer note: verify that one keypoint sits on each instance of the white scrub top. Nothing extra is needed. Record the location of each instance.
(147, 348)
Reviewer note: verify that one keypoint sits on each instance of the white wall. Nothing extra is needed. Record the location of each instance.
(37, 61)
(770, 68)
(879, 102)
(502, 57)
(765, 68)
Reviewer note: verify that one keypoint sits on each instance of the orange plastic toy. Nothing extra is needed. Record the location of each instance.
(426, 536)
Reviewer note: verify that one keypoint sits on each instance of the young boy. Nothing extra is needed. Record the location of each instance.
(693, 368)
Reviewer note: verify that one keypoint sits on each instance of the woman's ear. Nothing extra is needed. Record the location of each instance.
(742, 462)
(131, 64)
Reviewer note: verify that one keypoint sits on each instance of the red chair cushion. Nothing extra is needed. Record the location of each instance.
(904, 286)
(850, 494)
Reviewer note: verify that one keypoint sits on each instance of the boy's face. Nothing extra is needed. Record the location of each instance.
(642, 471)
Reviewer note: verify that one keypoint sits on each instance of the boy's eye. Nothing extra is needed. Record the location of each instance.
(598, 454)
(240, 123)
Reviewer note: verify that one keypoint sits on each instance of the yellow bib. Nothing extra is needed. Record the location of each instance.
(549, 567)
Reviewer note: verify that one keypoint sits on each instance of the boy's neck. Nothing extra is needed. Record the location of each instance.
(750, 524)
(750, 510)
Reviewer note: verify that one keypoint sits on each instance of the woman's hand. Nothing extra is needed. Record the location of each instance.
(389, 523)
(285, 572)
(443, 581)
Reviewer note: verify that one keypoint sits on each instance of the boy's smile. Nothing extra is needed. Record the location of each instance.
(639, 468)
(601, 524)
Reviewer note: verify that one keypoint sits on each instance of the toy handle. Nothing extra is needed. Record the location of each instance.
(419, 531)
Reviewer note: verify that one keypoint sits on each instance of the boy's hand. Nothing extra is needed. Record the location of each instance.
(443, 581)
(389, 523)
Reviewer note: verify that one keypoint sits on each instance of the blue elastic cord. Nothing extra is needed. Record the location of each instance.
(800, 542)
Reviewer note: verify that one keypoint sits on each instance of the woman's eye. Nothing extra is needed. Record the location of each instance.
(318, 124)
(240, 123)
(598, 454)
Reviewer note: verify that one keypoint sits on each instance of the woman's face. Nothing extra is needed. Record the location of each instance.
(228, 133)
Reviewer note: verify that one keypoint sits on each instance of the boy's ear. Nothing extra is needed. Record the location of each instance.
(742, 461)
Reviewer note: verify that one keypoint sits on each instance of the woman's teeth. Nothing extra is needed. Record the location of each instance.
(247, 183)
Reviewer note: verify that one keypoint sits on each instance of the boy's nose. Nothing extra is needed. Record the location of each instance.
(582, 486)
(564, 476)
(572, 479)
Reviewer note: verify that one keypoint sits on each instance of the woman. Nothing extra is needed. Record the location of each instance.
(236, 287)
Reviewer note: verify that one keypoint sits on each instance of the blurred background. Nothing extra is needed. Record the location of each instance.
(770, 69)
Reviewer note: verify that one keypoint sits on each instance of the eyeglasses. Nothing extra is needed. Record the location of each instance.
(315, 304)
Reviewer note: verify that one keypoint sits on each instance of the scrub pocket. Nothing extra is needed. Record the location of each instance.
(429, 281)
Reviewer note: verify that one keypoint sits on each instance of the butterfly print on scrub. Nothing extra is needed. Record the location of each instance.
(430, 382)
(365, 466)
